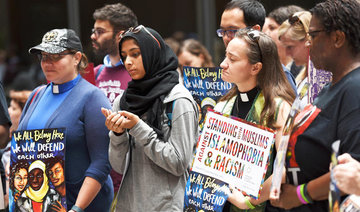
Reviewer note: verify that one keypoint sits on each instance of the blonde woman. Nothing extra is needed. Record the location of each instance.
(293, 35)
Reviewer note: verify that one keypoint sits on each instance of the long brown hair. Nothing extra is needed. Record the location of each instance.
(271, 79)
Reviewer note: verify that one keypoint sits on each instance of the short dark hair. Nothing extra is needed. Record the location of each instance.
(341, 15)
(120, 16)
(254, 11)
(52, 161)
(280, 14)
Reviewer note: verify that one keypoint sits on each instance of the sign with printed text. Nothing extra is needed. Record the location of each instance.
(206, 86)
(204, 193)
(234, 151)
(37, 171)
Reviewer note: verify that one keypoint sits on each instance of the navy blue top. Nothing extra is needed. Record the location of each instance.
(290, 78)
(77, 107)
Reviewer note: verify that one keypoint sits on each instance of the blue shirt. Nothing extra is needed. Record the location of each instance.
(77, 108)
(290, 78)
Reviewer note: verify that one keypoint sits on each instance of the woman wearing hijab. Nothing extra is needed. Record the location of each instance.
(159, 146)
(39, 196)
(71, 102)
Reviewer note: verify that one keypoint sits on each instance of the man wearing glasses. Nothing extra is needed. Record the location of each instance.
(111, 76)
(240, 14)
(110, 21)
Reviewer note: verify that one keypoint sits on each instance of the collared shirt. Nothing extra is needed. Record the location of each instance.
(107, 62)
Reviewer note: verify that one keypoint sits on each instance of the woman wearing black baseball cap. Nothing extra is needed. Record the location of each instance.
(71, 102)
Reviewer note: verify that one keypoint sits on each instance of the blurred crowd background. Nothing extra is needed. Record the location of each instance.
(23, 22)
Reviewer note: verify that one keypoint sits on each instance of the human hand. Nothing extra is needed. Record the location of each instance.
(288, 197)
(237, 198)
(119, 121)
(113, 120)
(347, 174)
(130, 121)
(57, 207)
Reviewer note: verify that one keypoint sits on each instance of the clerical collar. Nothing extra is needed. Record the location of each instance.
(249, 95)
(64, 87)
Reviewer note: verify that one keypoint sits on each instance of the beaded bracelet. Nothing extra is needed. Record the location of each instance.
(298, 192)
(248, 203)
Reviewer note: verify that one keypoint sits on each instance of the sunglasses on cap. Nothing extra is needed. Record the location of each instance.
(253, 35)
(138, 29)
(294, 19)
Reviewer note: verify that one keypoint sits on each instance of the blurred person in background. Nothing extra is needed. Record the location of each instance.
(293, 35)
(239, 14)
(111, 76)
(193, 53)
(271, 28)
(110, 21)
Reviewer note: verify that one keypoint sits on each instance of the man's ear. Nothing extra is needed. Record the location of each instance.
(256, 68)
(256, 27)
(339, 38)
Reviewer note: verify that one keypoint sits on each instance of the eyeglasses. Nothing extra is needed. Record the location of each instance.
(293, 19)
(52, 57)
(254, 35)
(99, 31)
(229, 33)
(138, 29)
(312, 34)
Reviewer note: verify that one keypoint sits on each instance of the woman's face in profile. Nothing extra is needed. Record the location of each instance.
(236, 65)
(15, 113)
(296, 49)
(20, 179)
(36, 177)
(132, 58)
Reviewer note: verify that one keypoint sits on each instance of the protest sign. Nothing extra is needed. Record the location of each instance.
(279, 162)
(229, 150)
(317, 79)
(351, 204)
(37, 176)
(203, 192)
(206, 86)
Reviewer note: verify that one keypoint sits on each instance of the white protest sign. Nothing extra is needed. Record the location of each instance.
(234, 152)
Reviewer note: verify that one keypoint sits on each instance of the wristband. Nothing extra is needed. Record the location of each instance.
(76, 209)
(248, 203)
(307, 197)
(298, 192)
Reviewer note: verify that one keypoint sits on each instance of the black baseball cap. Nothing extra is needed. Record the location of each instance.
(58, 40)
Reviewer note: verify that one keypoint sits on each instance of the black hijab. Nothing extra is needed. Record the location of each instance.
(147, 94)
